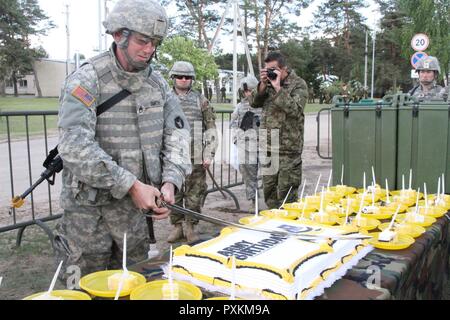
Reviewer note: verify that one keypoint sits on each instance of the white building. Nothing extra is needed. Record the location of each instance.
(51, 75)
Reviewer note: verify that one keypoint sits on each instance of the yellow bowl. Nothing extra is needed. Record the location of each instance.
(356, 199)
(411, 230)
(393, 206)
(364, 223)
(435, 212)
(64, 294)
(279, 213)
(97, 283)
(153, 291)
(406, 201)
(427, 220)
(400, 242)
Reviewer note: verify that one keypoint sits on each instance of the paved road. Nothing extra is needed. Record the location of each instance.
(21, 164)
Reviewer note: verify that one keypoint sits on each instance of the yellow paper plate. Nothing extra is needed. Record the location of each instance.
(401, 242)
(435, 212)
(364, 223)
(338, 210)
(64, 294)
(97, 283)
(356, 200)
(277, 213)
(298, 207)
(327, 219)
(408, 229)
(251, 219)
(153, 291)
(407, 193)
(408, 201)
(383, 213)
(428, 221)
(343, 189)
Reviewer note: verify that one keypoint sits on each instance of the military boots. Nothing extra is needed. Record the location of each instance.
(191, 235)
(176, 234)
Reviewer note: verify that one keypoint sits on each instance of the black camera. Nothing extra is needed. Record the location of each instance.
(271, 74)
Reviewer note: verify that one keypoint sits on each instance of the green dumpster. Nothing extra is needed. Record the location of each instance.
(424, 144)
(364, 135)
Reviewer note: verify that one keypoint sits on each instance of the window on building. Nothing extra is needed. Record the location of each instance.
(23, 83)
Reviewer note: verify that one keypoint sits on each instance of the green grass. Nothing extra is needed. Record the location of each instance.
(17, 124)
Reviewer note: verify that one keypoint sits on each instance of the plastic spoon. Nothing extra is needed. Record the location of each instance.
(124, 267)
(47, 295)
(284, 201)
(387, 193)
(317, 184)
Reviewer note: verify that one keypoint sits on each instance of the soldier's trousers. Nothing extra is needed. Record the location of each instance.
(91, 238)
(277, 185)
(250, 175)
(192, 192)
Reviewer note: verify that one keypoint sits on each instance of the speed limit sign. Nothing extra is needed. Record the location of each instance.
(420, 42)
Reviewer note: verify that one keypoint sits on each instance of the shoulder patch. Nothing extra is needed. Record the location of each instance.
(179, 123)
(83, 95)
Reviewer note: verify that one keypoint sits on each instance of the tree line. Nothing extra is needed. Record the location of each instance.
(333, 45)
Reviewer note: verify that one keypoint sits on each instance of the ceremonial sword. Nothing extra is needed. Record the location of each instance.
(217, 221)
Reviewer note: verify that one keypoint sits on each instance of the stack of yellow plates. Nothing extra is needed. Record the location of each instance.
(400, 242)
(63, 295)
(423, 221)
(279, 213)
(153, 291)
(97, 283)
(435, 212)
(405, 228)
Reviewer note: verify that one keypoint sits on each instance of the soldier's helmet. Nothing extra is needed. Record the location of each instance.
(182, 68)
(144, 16)
(428, 63)
(250, 82)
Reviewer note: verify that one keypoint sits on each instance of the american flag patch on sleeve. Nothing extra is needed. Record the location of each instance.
(83, 95)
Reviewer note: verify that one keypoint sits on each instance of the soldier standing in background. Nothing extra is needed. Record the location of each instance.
(202, 120)
(117, 164)
(428, 69)
(282, 96)
(245, 122)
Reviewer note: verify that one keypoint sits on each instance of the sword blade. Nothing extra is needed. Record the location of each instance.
(217, 221)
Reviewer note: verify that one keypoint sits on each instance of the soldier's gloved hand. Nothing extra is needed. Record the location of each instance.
(144, 196)
(168, 195)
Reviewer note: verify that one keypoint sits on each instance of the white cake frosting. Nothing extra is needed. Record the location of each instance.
(269, 265)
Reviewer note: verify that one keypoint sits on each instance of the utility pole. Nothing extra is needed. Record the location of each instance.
(373, 62)
(68, 39)
(366, 53)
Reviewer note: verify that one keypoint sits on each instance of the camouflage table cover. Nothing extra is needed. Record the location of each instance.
(418, 272)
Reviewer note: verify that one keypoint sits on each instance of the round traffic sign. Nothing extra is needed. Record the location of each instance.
(420, 42)
(416, 57)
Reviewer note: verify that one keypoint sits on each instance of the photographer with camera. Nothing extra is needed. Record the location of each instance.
(282, 96)
(245, 122)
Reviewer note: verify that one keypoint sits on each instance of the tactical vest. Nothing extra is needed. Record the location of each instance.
(191, 105)
(131, 132)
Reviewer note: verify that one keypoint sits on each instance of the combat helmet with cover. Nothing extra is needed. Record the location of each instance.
(428, 63)
(248, 83)
(182, 68)
(147, 17)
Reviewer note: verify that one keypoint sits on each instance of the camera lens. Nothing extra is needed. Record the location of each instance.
(271, 74)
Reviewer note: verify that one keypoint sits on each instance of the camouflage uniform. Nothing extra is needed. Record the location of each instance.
(247, 148)
(144, 137)
(201, 117)
(283, 111)
(436, 92)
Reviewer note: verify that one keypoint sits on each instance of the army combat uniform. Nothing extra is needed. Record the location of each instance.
(283, 111)
(247, 144)
(435, 93)
(201, 117)
(145, 137)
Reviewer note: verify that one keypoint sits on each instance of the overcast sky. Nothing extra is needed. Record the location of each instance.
(84, 26)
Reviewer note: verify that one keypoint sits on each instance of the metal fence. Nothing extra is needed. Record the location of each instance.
(25, 139)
